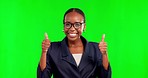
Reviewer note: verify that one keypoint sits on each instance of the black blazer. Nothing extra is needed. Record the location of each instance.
(61, 64)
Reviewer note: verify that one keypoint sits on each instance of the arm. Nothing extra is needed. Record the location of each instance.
(43, 61)
(102, 72)
(104, 68)
(105, 61)
(103, 48)
(47, 71)
(44, 68)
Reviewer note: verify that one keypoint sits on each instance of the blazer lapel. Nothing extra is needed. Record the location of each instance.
(66, 55)
(86, 57)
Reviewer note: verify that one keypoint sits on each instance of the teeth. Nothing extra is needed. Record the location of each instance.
(72, 35)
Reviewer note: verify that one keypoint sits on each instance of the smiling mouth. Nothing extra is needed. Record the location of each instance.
(72, 34)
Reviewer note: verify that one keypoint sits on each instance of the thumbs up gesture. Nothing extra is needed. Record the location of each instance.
(102, 45)
(45, 44)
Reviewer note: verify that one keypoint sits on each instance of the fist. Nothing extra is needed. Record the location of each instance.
(45, 44)
(102, 45)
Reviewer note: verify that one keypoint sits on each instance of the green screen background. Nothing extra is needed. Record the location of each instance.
(24, 22)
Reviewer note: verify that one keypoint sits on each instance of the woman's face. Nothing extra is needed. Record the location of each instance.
(73, 25)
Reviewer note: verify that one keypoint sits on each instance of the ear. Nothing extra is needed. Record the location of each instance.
(84, 27)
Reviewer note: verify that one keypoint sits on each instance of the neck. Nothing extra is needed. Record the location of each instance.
(76, 43)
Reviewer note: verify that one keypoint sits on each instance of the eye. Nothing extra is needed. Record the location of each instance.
(67, 25)
(77, 25)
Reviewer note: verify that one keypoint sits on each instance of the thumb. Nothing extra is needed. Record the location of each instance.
(46, 36)
(103, 37)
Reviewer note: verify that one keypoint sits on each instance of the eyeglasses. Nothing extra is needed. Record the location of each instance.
(76, 25)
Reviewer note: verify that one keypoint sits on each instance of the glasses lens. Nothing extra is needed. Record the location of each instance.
(67, 25)
(77, 25)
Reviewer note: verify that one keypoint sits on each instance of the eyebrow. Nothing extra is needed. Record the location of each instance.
(74, 22)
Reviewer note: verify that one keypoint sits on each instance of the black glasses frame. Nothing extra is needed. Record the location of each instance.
(73, 24)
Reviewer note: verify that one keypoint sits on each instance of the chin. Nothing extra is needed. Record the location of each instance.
(72, 39)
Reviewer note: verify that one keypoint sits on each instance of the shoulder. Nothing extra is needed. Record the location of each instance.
(93, 47)
(54, 47)
(93, 43)
(55, 44)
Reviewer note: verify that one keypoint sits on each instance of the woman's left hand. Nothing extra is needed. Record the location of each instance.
(103, 45)
(103, 48)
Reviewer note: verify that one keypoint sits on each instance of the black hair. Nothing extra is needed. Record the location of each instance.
(75, 10)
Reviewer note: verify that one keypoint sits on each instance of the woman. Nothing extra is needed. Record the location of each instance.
(74, 56)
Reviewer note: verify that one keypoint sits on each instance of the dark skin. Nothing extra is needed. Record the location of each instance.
(75, 44)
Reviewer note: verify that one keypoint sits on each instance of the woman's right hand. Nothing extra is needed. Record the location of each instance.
(45, 44)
